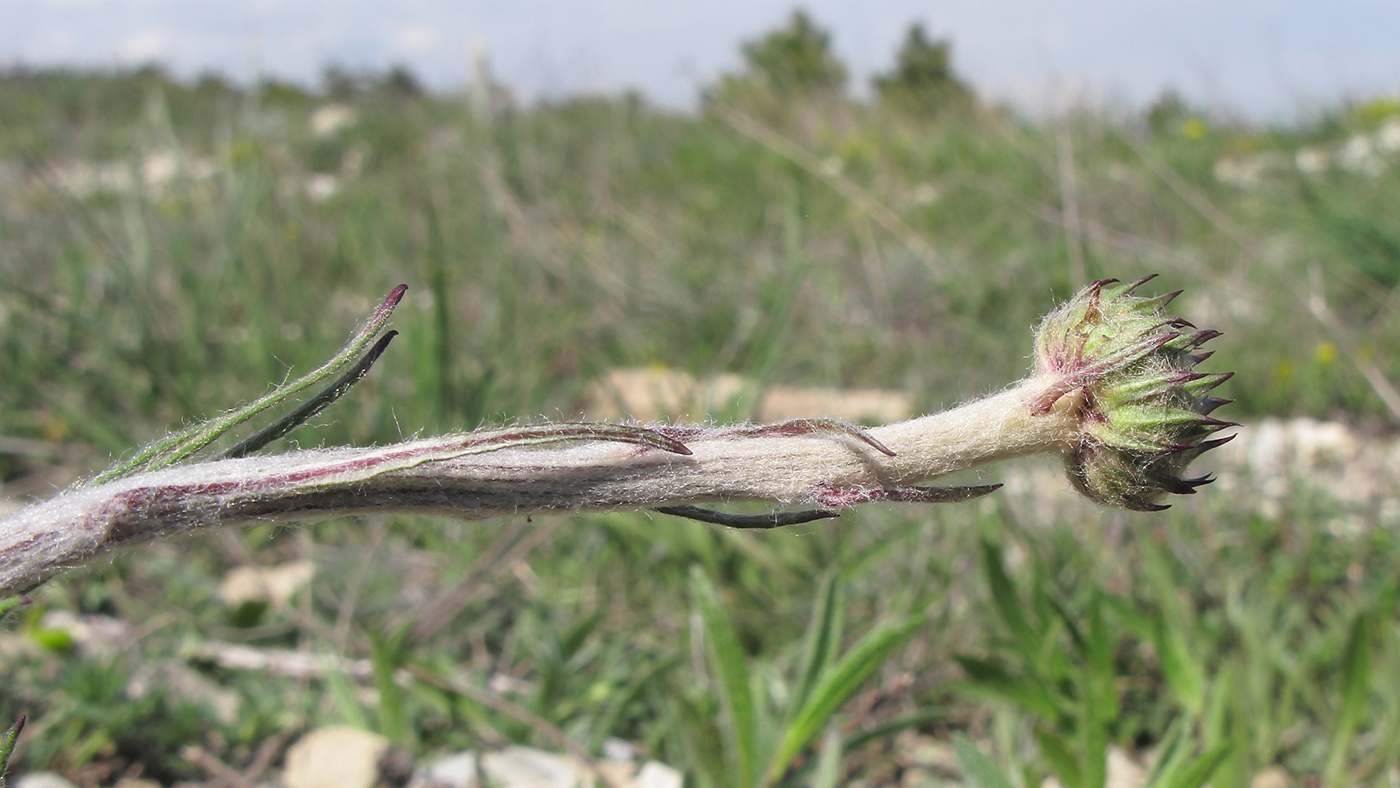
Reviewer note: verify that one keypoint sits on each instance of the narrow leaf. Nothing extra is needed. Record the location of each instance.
(7, 746)
(828, 771)
(887, 730)
(836, 686)
(978, 771)
(1355, 686)
(309, 409)
(1007, 603)
(1056, 751)
(1199, 772)
(1169, 755)
(6, 605)
(991, 680)
(727, 659)
(1184, 675)
(346, 701)
(822, 641)
(387, 657)
(179, 445)
(731, 520)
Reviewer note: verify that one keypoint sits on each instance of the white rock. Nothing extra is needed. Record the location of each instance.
(265, 583)
(615, 749)
(454, 771)
(1123, 771)
(1359, 156)
(42, 780)
(335, 757)
(331, 118)
(321, 186)
(1271, 777)
(1388, 136)
(657, 775)
(649, 393)
(525, 767)
(1312, 160)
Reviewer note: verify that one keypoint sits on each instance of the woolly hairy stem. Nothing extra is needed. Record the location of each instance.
(507, 472)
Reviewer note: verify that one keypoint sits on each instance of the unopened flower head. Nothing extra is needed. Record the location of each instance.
(1144, 410)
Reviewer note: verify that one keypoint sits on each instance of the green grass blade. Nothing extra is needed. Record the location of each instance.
(727, 659)
(835, 687)
(1172, 635)
(822, 641)
(1199, 772)
(1102, 675)
(828, 771)
(387, 656)
(1184, 674)
(886, 730)
(345, 700)
(991, 680)
(1058, 754)
(1099, 699)
(1008, 604)
(1356, 682)
(1169, 755)
(7, 746)
(978, 771)
(610, 716)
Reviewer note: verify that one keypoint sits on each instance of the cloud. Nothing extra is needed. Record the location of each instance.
(415, 39)
(145, 46)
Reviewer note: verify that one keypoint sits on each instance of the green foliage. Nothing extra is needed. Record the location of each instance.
(978, 769)
(794, 63)
(7, 605)
(922, 79)
(796, 59)
(563, 239)
(7, 747)
(1062, 666)
(760, 751)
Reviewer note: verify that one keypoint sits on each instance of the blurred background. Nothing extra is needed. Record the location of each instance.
(736, 211)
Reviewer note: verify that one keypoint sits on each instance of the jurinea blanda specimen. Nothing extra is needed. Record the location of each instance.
(1114, 391)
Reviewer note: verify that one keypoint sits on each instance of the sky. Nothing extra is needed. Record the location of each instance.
(1260, 59)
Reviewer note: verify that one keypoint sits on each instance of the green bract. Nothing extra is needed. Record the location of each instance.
(1144, 410)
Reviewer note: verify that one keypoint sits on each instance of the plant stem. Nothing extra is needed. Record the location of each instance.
(540, 469)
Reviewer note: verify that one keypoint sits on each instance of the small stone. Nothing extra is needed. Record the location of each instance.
(926, 752)
(1271, 777)
(335, 757)
(618, 750)
(1123, 771)
(454, 771)
(915, 778)
(657, 775)
(612, 773)
(42, 780)
(265, 583)
(526, 767)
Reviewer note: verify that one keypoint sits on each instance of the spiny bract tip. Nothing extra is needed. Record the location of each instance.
(1145, 409)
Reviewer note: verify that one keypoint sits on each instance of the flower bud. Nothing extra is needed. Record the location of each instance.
(1144, 412)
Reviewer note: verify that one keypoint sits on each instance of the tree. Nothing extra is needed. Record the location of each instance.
(796, 59)
(401, 82)
(923, 75)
